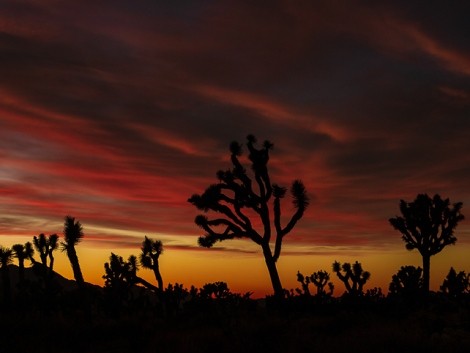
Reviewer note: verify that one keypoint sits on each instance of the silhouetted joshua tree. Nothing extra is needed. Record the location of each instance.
(407, 282)
(118, 276)
(237, 196)
(40, 243)
(46, 247)
(304, 282)
(121, 275)
(150, 252)
(53, 244)
(427, 224)
(456, 284)
(353, 277)
(320, 280)
(20, 253)
(29, 250)
(6, 258)
(73, 234)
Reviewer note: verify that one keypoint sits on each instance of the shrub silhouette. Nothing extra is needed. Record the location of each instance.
(374, 294)
(455, 284)
(407, 282)
(174, 296)
(236, 193)
(215, 290)
(353, 277)
(428, 224)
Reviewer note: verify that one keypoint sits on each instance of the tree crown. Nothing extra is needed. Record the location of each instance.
(428, 224)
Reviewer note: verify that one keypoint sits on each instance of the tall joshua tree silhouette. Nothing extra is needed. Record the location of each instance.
(150, 252)
(427, 224)
(73, 234)
(237, 195)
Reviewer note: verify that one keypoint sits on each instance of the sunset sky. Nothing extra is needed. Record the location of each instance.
(116, 112)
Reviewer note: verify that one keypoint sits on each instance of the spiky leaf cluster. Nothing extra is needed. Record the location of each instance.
(428, 224)
(6, 257)
(73, 233)
(150, 252)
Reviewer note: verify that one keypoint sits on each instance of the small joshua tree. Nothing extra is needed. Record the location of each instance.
(304, 282)
(118, 276)
(353, 277)
(456, 284)
(428, 224)
(122, 275)
(407, 282)
(46, 247)
(320, 280)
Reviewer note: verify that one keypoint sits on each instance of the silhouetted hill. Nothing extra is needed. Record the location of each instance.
(33, 274)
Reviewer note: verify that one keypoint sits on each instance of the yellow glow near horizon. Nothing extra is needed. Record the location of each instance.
(246, 272)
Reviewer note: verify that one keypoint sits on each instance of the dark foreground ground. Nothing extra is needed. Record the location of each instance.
(217, 328)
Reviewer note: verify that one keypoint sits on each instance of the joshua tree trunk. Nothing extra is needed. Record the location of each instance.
(77, 272)
(43, 259)
(51, 264)
(21, 270)
(273, 274)
(158, 276)
(6, 284)
(426, 272)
